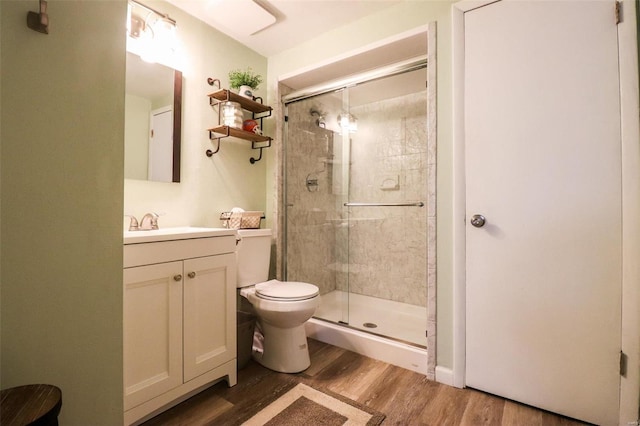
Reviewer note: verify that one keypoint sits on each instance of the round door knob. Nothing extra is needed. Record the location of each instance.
(177, 277)
(478, 220)
(191, 274)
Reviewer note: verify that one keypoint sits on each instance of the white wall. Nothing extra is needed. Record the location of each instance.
(62, 129)
(208, 186)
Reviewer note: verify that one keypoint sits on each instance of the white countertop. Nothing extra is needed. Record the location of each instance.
(178, 233)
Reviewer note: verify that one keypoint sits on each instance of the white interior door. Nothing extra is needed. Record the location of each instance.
(543, 166)
(161, 145)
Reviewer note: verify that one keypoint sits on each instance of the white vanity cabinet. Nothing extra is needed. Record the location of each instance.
(179, 319)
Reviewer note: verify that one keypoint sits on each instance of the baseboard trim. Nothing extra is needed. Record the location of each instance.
(444, 375)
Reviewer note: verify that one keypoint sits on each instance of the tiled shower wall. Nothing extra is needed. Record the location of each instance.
(388, 245)
(382, 251)
(311, 210)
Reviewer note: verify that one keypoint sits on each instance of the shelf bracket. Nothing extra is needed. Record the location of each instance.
(253, 146)
(213, 81)
(255, 160)
(210, 152)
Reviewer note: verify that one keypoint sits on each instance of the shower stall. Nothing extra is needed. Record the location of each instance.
(356, 200)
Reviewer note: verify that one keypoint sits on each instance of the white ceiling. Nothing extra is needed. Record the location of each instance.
(294, 21)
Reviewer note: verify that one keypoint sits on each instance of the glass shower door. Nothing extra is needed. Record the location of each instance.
(316, 188)
(387, 207)
(356, 191)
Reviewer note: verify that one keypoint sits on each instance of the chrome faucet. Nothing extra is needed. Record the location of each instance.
(133, 225)
(149, 222)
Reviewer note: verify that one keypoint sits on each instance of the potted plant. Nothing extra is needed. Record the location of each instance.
(245, 81)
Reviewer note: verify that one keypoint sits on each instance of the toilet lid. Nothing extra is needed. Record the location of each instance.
(286, 291)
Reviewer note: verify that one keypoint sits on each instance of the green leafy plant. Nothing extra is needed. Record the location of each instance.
(247, 77)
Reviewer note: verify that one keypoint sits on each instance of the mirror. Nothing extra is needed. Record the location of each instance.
(153, 116)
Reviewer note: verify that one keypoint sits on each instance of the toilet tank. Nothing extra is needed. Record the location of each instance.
(253, 253)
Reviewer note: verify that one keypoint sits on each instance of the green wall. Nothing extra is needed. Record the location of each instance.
(63, 196)
(61, 180)
(62, 115)
(208, 185)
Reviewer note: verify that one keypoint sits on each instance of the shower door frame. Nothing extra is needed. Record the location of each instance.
(288, 96)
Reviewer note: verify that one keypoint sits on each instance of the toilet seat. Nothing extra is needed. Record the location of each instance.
(289, 291)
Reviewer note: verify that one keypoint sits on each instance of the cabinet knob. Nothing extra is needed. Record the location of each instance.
(177, 277)
(191, 274)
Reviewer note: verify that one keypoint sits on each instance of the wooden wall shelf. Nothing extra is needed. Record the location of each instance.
(224, 95)
(226, 131)
(258, 111)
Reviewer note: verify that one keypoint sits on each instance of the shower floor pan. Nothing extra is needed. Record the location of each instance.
(403, 322)
(395, 320)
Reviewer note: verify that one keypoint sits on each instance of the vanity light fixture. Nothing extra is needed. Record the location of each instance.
(152, 34)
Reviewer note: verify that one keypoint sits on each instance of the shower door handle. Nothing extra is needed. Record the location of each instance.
(418, 204)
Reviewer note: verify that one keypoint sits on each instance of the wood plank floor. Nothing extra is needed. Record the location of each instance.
(407, 398)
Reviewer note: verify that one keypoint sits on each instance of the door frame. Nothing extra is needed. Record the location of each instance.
(630, 126)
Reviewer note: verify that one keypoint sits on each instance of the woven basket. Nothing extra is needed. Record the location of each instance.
(242, 220)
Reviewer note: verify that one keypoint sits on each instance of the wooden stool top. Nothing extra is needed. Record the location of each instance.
(30, 404)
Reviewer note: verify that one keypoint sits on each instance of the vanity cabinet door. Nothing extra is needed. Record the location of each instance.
(152, 331)
(209, 313)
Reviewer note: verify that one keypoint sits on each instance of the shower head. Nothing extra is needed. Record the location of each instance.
(320, 117)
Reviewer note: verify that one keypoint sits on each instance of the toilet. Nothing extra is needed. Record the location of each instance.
(282, 308)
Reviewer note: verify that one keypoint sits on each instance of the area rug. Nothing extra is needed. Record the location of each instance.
(304, 405)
